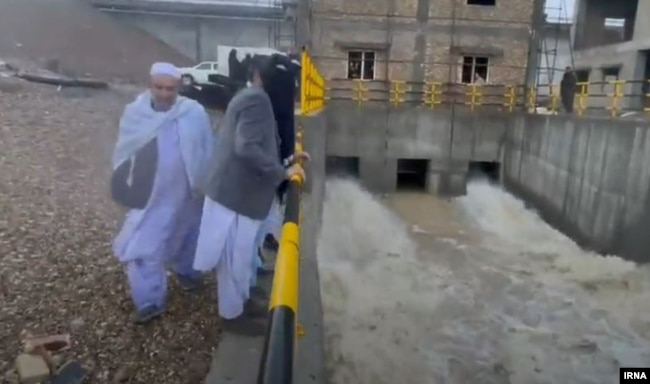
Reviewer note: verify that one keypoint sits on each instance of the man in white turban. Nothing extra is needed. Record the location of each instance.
(164, 142)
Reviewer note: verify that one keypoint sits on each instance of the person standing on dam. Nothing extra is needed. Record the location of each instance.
(568, 87)
(242, 182)
(164, 142)
(281, 88)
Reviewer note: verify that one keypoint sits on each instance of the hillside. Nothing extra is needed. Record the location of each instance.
(83, 40)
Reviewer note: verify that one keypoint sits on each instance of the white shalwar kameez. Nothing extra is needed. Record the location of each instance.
(226, 242)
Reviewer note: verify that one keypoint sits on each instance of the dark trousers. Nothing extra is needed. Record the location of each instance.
(567, 101)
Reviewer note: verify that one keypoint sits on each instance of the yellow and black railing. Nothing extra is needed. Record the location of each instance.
(613, 98)
(276, 365)
(312, 86)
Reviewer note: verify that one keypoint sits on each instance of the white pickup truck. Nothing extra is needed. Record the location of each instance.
(199, 73)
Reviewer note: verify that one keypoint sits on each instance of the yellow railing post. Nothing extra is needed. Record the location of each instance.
(397, 91)
(474, 96)
(321, 90)
(431, 92)
(582, 97)
(304, 61)
(359, 92)
(312, 85)
(510, 96)
(531, 99)
(615, 106)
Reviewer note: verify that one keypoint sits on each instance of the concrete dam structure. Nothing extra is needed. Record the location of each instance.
(585, 175)
(388, 143)
(425, 252)
(397, 269)
(397, 281)
(429, 250)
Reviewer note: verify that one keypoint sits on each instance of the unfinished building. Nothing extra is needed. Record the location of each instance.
(611, 41)
(448, 41)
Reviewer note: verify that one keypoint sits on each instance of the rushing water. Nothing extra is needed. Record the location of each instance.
(478, 289)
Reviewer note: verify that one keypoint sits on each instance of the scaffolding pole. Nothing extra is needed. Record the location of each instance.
(284, 28)
(556, 24)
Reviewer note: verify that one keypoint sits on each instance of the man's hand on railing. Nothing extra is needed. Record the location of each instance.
(301, 156)
(297, 158)
(295, 170)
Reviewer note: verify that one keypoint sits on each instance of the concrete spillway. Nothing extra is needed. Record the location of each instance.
(475, 289)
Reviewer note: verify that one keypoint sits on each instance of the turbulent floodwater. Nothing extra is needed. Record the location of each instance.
(478, 289)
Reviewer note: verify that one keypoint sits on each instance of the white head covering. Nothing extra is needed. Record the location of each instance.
(166, 69)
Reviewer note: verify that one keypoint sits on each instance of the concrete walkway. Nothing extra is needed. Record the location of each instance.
(237, 357)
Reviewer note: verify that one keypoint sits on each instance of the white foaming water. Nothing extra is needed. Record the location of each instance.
(521, 305)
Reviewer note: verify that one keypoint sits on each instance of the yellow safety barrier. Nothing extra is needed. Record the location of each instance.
(553, 106)
(615, 106)
(510, 95)
(431, 95)
(507, 97)
(474, 95)
(531, 99)
(312, 86)
(276, 364)
(582, 97)
(397, 91)
(360, 92)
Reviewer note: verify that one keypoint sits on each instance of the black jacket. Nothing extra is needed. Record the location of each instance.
(280, 85)
(132, 182)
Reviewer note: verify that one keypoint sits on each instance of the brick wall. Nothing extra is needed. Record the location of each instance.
(420, 46)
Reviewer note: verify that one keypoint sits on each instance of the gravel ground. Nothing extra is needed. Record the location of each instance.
(57, 274)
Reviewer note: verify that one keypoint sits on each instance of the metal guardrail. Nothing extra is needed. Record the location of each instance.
(312, 86)
(613, 97)
(276, 364)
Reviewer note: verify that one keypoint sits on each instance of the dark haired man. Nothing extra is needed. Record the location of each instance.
(242, 183)
(568, 87)
(281, 88)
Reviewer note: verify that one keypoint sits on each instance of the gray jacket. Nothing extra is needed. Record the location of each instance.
(246, 170)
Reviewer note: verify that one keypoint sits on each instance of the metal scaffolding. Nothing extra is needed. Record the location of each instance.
(557, 24)
(284, 28)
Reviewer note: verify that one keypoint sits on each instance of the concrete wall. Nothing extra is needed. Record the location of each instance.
(588, 177)
(630, 55)
(198, 37)
(590, 26)
(379, 135)
(309, 360)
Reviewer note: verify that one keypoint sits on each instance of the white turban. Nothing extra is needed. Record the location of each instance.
(166, 69)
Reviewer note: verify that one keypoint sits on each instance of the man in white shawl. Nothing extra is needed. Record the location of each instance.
(244, 175)
(162, 227)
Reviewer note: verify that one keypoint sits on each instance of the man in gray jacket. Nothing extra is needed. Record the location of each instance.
(241, 184)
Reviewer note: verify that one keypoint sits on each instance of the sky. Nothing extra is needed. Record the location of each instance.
(560, 10)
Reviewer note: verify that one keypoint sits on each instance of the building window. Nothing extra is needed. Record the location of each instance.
(204, 66)
(475, 70)
(361, 65)
(583, 75)
(482, 2)
(609, 74)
